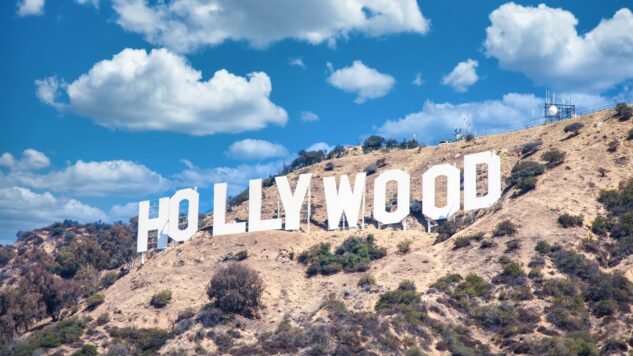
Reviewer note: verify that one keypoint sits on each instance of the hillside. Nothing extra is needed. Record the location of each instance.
(534, 290)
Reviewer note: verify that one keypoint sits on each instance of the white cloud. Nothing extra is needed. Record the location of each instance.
(297, 62)
(462, 76)
(160, 91)
(320, 146)
(185, 25)
(366, 82)
(94, 3)
(438, 120)
(544, 44)
(31, 159)
(255, 149)
(30, 7)
(236, 177)
(309, 116)
(22, 209)
(418, 80)
(104, 178)
(123, 212)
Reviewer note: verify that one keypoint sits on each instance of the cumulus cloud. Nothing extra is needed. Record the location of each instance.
(463, 76)
(236, 177)
(31, 159)
(309, 116)
(544, 44)
(103, 178)
(160, 91)
(320, 146)
(21, 209)
(365, 82)
(30, 7)
(438, 120)
(185, 25)
(255, 149)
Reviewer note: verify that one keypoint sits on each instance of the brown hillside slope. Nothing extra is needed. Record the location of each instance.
(571, 187)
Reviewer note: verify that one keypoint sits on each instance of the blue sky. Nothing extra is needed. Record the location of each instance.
(106, 103)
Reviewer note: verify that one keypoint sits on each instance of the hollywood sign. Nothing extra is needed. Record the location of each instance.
(342, 201)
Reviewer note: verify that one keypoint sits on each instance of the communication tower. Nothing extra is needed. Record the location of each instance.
(554, 111)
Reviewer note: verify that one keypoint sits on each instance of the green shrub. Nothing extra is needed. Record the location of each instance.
(630, 135)
(353, 255)
(524, 185)
(94, 301)
(147, 341)
(473, 286)
(513, 245)
(443, 284)
(464, 241)
(512, 274)
(62, 333)
(531, 147)
(87, 350)
(574, 128)
(486, 244)
(108, 279)
(404, 246)
(505, 228)
(241, 255)
(405, 294)
(103, 318)
(601, 225)
(542, 247)
(460, 242)
(568, 220)
(366, 281)
(210, 316)
(526, 169)
(371, 169)
(553, 157)
(535, 274)
(623, 112)
(612, 146)
(161, 299)
(236, 289)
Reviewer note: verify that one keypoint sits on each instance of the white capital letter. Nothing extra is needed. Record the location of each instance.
(220, 227)
(403, 181)
(145, 224)
(471, 200)
(292, 202)
(192, 198)
(255, 222)
(343, 200)
(452, 192)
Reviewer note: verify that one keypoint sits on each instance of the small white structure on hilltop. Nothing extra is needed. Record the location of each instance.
(555, 111)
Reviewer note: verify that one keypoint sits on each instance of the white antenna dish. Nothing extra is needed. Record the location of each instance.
(552, 110)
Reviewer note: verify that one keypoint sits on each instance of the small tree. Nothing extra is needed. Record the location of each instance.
(236, 289)
(372, 143)
(574, 128)
(623, 112)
